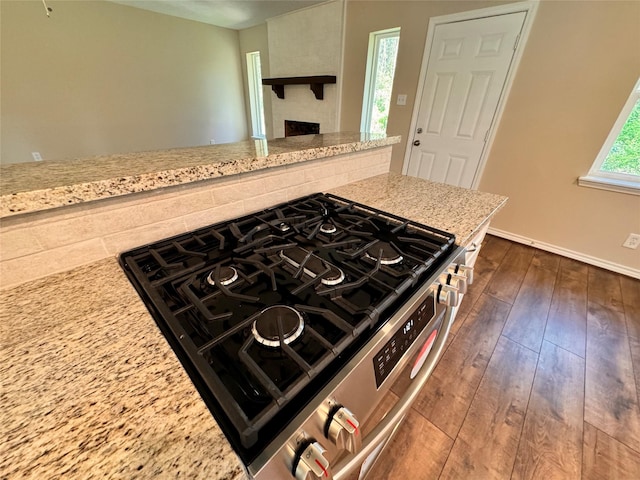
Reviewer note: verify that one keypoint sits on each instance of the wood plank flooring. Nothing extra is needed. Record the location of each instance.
(540, 379)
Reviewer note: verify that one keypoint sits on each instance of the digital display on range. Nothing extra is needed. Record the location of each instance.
(389, 355)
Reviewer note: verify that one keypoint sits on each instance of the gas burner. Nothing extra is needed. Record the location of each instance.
(328, 228)
(334, 277)
(228, 275)
(283, 227)
(313, 265)
(266, 329)
(389, 254)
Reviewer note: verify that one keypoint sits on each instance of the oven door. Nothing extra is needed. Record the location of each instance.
(410, 382)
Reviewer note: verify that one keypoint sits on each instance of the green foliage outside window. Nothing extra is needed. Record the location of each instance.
(624, 156)
(387, 52)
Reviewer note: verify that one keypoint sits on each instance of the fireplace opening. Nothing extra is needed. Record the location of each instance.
(293, 128)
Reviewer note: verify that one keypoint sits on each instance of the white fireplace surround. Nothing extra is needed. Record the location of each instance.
(319, 53)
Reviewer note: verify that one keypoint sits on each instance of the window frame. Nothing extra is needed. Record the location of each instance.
(617, 182)
(256, 102)
(371, 74)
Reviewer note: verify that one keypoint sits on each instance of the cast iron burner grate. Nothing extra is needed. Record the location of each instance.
(262, 310)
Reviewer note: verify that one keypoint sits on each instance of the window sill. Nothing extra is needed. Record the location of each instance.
(611, 184)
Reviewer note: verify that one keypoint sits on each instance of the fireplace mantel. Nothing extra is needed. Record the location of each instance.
(316, 83)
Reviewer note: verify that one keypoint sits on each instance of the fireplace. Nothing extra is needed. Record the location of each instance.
(293, 128)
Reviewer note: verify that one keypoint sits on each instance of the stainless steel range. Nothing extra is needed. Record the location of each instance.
(293, 323)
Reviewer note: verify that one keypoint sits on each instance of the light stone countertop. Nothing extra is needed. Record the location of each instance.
(34, 186)
(91, 389)
(455, 210)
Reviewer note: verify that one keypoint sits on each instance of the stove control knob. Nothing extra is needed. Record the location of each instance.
(455, 280)
(447, 295)
(343, 429)
(464, 270)
(310, 463)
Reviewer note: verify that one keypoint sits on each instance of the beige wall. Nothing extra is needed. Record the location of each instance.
(99, 78)
(255, 39)
(364, 17)
(578, 68)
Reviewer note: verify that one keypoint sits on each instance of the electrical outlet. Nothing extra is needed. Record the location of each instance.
(402, 99)
(36, 156)
(633, 241)
(212, 142)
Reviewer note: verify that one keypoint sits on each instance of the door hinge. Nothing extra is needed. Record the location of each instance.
(515, 45)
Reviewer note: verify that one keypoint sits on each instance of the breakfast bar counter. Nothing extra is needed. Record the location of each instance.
(35, 186)
(91, 389)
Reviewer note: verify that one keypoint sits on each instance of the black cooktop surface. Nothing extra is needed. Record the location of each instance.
(264, 309)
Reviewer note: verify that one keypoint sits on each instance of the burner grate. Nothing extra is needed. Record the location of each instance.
(322, 256)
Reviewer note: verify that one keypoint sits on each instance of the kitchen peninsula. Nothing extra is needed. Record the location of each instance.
(91, 388)
(33, 186)
(59, 215)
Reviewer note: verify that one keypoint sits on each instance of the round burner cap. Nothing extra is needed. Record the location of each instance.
(228, 275)
(283, 227)
(334, 277)
(389, 254)
(265, 328)
(328, 228)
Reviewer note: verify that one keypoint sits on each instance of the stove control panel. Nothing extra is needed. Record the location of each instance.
(453, 283)
(309, 462)
(391, 353)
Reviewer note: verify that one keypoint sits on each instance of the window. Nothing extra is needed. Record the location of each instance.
(617, 166)
(381, 66)
(254, 75)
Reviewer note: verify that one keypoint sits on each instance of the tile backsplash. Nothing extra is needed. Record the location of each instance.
(42, 243)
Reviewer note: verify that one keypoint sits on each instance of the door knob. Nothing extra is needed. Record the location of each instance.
(416, 143)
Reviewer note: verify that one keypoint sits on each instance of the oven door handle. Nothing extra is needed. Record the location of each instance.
(382, 431)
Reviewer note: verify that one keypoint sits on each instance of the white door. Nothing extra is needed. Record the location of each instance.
(466, 72)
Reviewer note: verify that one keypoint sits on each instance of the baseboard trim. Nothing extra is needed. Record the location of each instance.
(598, 262)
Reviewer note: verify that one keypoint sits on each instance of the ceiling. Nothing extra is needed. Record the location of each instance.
(234, 14)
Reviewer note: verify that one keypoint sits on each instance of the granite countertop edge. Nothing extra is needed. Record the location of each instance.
(208, 163)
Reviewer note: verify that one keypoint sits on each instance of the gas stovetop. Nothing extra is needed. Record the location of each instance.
(264, 309)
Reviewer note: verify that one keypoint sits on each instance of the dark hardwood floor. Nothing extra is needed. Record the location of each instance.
(540, 379)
